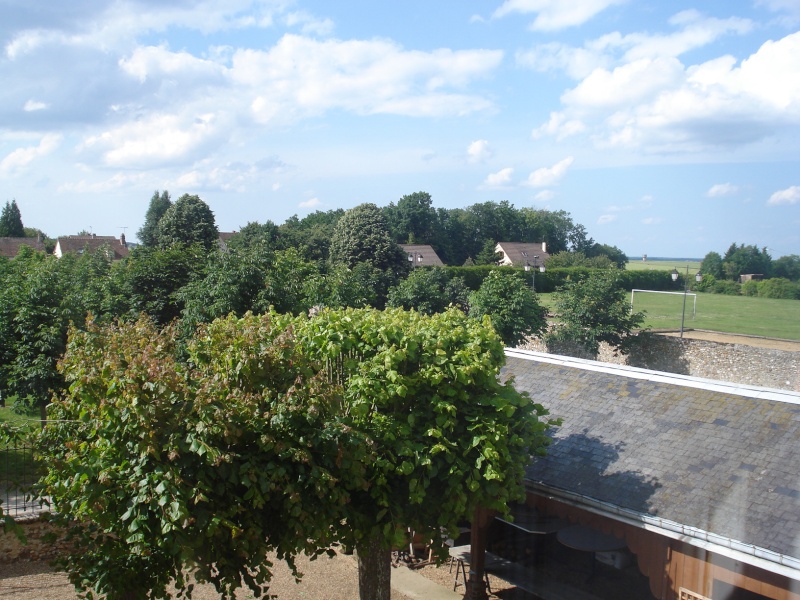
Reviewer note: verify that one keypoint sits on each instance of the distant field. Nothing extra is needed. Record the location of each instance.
(664, 265)
(731, 314)
(716, 312)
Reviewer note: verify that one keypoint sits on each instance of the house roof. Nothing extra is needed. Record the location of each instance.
(9, 246)
(518, 253)
(714, 460)
(423, 255)
(92, 243)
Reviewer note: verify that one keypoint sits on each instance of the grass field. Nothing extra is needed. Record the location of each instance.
(665, 265)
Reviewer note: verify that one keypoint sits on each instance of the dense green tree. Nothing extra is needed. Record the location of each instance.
(712, 265)
(361, 237)
(612, 253)
(342, 287)
(152, 279)
(188, 221)
(231, 282)
(160, 467)
(593, 310)
(511, 305)
(742, 259)
(413, 220)
(311, 235)
(787, 267)
(159, 204)
(11, 221)
(256, 236)
(427, 392)
(565, 259)
(39, 296)
(278, 436)
(429, 291)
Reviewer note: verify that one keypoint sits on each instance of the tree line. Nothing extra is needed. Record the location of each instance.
(779, 278)
(180, 273)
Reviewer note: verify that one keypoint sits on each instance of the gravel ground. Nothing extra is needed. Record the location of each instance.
(324, 579)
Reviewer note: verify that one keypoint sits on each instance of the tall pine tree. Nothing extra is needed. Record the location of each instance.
(11, 221)
(159, 204)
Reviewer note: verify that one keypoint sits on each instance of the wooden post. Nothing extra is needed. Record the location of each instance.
(476, 584)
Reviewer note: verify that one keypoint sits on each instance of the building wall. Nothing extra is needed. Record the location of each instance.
(737, 363)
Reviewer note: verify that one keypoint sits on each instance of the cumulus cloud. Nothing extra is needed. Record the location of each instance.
(115, 182)
(552, 15)
(559, 126)
(722, 189)
(605, 219)
(790, 195)
(478, 151)
(158, 140)
(659, 104)
(544, 196)
(547, 176)
(501, 178)
(22, 157)
(301, 77)
(312, 203)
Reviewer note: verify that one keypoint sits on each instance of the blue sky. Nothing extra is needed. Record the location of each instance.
(665, 128)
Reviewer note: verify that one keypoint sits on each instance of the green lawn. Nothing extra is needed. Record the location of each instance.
(716, 312)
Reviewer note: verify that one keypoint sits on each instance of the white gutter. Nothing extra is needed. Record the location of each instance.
(726, 387)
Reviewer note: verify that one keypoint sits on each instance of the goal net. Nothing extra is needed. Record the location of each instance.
(664, 309)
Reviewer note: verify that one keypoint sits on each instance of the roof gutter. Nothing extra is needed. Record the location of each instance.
(767, 560)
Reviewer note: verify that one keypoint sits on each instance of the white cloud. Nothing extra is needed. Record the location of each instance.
(605, 219)
(301, 77)
(501, 178)
(790, 195)
(555, 56)
(544, 196)
(116, 182)
(158, 139)
(479, 151)
(722, 189)
(22, 157)
(661, 105)
(552, 15)
(651, 220)
(159, 62)
(313, 202)
(547, 176)
(559, 126)
(33, 105)
(309, 24)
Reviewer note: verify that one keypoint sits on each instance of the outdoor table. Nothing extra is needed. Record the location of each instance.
(586, 539)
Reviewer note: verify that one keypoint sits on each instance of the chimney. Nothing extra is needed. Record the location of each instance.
(122, 239)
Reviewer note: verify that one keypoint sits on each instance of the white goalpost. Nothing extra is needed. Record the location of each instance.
(694, 297)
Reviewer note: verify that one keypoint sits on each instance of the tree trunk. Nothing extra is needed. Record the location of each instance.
(374, 570)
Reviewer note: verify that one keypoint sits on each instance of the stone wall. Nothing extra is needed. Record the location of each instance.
(737, 363)
(39, 541)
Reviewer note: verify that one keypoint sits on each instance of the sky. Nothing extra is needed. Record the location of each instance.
(665, 128)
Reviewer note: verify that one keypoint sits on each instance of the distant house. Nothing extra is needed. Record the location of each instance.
(698, 479)
(9, 246)
(518, 254)
(79, 244)
(224, 238)
(751, 277)
(422, 255)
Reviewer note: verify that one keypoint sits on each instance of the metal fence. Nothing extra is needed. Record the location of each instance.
(18, 472)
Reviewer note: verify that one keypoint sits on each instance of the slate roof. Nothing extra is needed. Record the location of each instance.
(92, 243)
(722, 459)
(9, 246)
(423, 255)
(518, 253)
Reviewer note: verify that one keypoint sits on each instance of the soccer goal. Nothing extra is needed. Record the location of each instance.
(660, 306)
